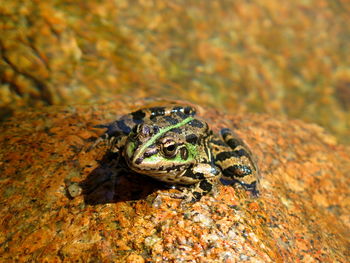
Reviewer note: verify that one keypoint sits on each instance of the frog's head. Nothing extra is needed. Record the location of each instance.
(155, 151)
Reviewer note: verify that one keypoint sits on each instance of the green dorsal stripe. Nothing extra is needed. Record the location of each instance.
(161, 132)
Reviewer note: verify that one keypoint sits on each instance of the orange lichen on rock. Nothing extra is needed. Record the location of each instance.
(301, 214)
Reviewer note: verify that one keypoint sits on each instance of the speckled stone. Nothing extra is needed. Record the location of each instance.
(302, 214)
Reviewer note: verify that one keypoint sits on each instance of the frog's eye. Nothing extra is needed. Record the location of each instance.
(169, 148)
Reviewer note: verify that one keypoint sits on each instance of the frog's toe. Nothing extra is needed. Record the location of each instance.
(252, 188)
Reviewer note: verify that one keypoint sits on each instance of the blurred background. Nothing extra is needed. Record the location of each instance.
(286, 58)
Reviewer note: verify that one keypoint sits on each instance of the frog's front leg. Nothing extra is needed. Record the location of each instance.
(205, 177)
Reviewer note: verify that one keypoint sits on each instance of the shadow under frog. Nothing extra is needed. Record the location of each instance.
(112, 181)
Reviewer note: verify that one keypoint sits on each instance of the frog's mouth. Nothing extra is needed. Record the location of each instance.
(155, 165)
(151, 163)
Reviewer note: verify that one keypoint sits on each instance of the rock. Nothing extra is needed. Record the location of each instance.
(301, 215)
(246, 55)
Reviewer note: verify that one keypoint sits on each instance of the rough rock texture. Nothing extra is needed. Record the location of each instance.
(302, 214)
(289, 57)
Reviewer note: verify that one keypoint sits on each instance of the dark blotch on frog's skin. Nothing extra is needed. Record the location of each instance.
(189, 111)
(182, 115)
(138, 115)
(135, 129)
(227, 155)
(205, 186)
(176, 130)
(197, 196)
(237, 170)
(171, 120)
(241, 152)
(190, 174)
(218, 142)
(196, 123)
(122, 126)
(173, 168)
(192, 138)
(233, 143)
(225, 132)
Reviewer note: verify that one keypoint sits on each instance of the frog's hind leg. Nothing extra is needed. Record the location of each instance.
(111, 141)
(200, 180)
(235, 160)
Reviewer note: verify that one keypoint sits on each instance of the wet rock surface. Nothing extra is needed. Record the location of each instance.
(302, 213)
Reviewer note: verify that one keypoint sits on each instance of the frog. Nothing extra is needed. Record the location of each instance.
(173, 145)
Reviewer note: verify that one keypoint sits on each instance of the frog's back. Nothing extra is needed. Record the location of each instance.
(168, 115)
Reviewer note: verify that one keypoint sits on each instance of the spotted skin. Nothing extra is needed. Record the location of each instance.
(171, 145)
